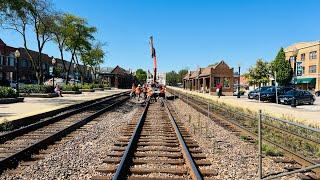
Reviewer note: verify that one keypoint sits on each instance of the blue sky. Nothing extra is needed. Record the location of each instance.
(191, 33)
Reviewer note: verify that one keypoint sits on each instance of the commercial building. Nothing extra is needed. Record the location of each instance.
(206, 79)
(307, 56)
(26, 72)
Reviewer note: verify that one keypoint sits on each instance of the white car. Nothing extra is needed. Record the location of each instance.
(58, 81)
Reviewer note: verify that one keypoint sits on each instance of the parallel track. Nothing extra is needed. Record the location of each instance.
(202, 106)
(156, 146)
(31, 139)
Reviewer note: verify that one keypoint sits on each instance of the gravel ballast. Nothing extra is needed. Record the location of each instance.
(79, 154)
(232, 157)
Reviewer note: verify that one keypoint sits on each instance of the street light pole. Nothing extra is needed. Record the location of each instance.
(53, 61)
(17, 55)
(293, 101)
(238, 96)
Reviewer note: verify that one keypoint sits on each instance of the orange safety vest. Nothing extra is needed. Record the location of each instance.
(138, 90)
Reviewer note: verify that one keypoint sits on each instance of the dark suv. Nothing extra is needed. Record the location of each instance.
(270, 93)
(301, 96)
(254, 94)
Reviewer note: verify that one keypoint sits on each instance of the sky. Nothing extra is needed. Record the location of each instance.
(190, 33)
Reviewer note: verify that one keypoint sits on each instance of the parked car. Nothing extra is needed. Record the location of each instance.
(255, 93)
(301, 96)
(58, 81)
(270, 93)
(74, 81)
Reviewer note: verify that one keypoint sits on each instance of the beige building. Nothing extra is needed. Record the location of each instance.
(307, 53)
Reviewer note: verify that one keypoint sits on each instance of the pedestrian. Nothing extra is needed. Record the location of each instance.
(219, 89)
(58, 90)
(138, 92)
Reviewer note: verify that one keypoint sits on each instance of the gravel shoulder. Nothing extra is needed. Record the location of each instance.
(78, 155)
(232, 157)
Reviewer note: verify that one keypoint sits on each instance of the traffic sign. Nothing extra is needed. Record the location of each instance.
(299, 69)
(51, 70)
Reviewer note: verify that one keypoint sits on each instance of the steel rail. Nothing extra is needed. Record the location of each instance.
(32, 127)
(302, 159)
(195, 173)
(25, 153)
(126, 160)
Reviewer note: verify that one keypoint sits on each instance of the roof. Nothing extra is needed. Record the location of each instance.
(301, 45)
(106, 69)
(205, 71)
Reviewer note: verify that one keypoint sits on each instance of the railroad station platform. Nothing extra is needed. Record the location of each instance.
(33, 106)
(305, 114)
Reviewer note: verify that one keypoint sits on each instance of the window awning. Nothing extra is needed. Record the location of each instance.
(306, 80)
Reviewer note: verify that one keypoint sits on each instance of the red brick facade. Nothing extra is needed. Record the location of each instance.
(206, 79)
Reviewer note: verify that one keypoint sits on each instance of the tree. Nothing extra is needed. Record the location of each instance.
(258, 74)
(182, 73)
(141, 76)
(172, 78)
(18, 15)
(79, 42)
(94, 58)
(282, 67)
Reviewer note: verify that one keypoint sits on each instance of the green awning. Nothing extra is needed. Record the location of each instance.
(306, 80)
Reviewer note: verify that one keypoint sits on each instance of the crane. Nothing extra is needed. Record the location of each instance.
(153, 55)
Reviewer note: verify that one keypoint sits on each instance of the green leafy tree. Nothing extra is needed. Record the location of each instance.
(141, 76)
(282, 67)
(181, 74)
(19, 16)
(259, 73)
(172, 78)
(94, 58)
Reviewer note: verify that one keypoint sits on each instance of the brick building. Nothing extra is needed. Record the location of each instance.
(206, 79)
(118, 77)
(26, 72)
(308, 56)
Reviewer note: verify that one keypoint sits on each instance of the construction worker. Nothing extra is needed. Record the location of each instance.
(138, 91)
(133, 89)
(145, 91)
(162, 92)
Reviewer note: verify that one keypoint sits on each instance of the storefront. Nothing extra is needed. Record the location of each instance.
(306, 83)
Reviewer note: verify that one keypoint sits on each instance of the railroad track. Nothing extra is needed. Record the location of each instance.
(21, 143)
(228, 120)
(155, 145)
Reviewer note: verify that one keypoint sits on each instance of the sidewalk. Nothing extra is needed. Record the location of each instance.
(32, 106)
(305, 114)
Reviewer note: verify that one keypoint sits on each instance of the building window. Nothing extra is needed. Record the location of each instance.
(303, 69)
(313, 55)
(1, 60)
(291, 59)
(226, 83)
(313, 69)
(303, 57)
(216, 81)
(10, 60)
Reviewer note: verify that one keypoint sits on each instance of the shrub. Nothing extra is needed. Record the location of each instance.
(86, 86)
(32, 88)
(7, 92)
(70, 88)
(271, 151)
